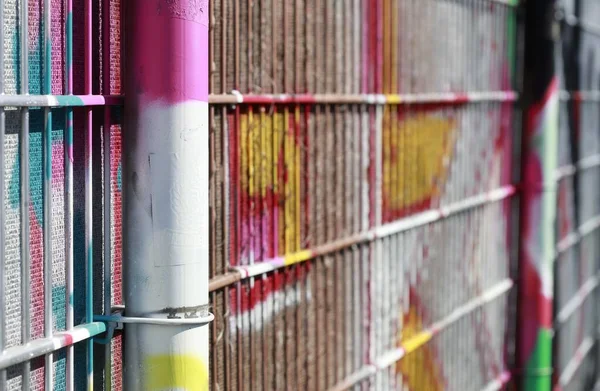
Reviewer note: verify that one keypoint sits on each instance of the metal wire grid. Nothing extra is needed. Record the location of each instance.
(360, 193)
(368, 114)
(54, 50)
(578, 217)
(577, 280)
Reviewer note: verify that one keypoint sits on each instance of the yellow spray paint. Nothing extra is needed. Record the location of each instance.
(416, 147)
(269, 152)
(391, 45)
(416, 153)
(182, 372)
(418, 368)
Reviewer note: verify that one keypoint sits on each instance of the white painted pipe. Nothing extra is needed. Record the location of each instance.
(165, 195)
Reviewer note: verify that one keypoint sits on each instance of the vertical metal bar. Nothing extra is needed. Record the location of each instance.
(165, 194)
(2, 205)
(68, 162)
(47, 168)
(375, 275)
(107, 187)
(228, 199)
(89, 248)
(24, 191)
(539, 197)
(571, 71)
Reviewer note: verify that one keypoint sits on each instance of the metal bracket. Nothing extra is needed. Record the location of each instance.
(116, 321)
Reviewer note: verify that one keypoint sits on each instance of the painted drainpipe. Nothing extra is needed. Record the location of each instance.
(165, 195)
(538, 206)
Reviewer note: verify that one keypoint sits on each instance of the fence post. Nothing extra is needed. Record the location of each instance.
(165, 195)
(538, 205)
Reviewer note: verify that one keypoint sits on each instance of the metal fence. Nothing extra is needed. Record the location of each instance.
(577, 267)
(362, 151)
(365, 163)
(59, 128)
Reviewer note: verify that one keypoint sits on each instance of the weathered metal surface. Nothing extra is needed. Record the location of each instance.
(361, 193)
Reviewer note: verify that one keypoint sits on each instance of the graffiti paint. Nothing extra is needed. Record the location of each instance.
(263, 297)
(416, 154)
(185, 372)
(537, 250)
(419, 369)
(269, 157)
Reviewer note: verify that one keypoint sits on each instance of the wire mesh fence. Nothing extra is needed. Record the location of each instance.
(576, 309)
(361, 152)
(59, 122)
(362, 186)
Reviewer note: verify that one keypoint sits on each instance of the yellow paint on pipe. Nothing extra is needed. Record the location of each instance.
(167, 372)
